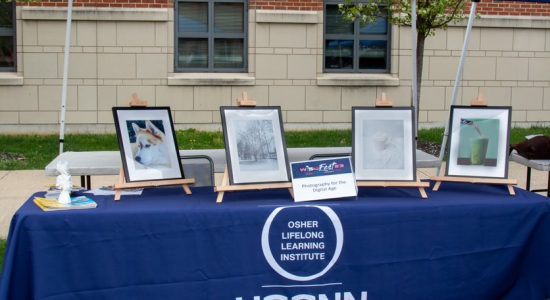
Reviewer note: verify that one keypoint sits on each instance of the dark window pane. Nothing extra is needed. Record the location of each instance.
(335, 24)
(378, 27)
(6, 15)
(193, 17)
(339, 54)
(229, 17)
(372, 54)
(228, 53)
(210, 35)
(193, 53)
(7, 56)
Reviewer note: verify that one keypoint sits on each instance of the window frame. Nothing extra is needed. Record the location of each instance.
(13, 33)
(211, 36)
(357, 37)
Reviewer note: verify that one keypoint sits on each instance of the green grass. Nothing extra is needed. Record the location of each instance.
(41, 149)
(518, 134)
(38, 150)
(2, 252)
(433, 135)
(195, 139)
(318, 138)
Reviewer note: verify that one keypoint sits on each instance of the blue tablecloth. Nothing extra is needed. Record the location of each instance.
(464, 242)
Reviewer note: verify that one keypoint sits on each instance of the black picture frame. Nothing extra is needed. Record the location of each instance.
(474, 127)
(147, 143)
(255, 145)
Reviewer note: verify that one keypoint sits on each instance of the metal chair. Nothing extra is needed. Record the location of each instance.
(537, 164)
(328, 155)
(200, 167)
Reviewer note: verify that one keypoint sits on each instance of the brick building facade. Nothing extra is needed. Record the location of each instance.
(197, 55)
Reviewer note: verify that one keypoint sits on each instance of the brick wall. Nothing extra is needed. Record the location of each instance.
(287, 4)
(512, 8)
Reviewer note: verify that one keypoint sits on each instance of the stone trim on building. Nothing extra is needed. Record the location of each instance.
(95, 14)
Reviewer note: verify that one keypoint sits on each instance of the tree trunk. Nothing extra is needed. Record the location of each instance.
(419, 65)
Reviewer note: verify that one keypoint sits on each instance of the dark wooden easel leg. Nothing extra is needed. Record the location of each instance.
(548, 186)
(528, 182)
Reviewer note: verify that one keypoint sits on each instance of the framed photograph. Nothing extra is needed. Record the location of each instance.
(383, 144)
(254, 145)
(478, 141)
(147, 143)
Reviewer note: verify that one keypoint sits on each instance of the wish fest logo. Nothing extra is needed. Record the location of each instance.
(302, 243)
(322, 169)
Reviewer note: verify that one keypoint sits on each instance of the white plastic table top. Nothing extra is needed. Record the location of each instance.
(91, 163)
(537, 164)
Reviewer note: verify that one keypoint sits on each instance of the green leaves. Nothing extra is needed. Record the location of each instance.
(431, 14)
(365, 12)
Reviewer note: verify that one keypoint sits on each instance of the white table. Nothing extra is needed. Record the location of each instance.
(96, 163)
(537, 164)
(100, 163)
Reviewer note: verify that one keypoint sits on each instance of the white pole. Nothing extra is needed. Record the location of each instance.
(458, 79)
(65, 75)
(414, 83)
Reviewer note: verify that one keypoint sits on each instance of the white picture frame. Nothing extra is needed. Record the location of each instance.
(478, 141)
(383, 144)
(255, 144)
(147, 143)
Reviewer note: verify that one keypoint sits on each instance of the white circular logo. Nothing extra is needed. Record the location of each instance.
(275, 264)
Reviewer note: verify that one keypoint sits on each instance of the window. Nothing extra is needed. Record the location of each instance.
(211, 36)
(7, 36)
(355, 47)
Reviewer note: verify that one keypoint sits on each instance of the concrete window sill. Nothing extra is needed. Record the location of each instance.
(95, 14)
(10, 79)
(211, 79)
(287, 16)
(357, 80)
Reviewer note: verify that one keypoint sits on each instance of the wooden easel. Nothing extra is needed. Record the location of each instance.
(225, 186)
(136, 102)
(421, 186)
(383, 101)
(478, 101)
(123, 185)
(245, 101)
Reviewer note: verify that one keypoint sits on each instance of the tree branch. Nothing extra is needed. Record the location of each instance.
(459, 7)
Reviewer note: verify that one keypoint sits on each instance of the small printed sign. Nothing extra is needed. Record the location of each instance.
(323, 179)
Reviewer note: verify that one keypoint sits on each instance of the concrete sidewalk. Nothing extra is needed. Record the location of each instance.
(17, 186)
